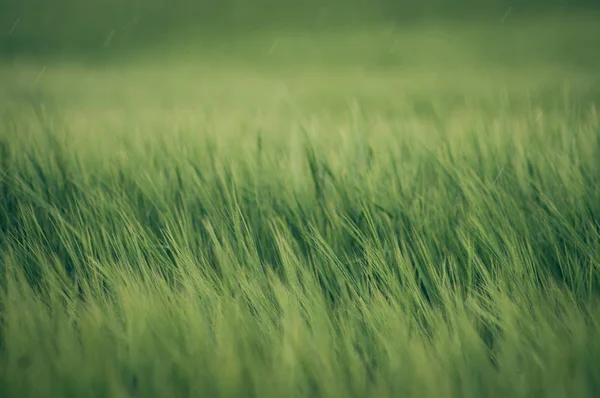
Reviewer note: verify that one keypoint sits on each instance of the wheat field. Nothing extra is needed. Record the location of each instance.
(375, 213)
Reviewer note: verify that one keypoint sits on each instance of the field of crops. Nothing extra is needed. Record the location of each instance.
(382, 212)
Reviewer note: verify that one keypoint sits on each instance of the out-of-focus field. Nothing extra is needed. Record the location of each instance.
(380, 212)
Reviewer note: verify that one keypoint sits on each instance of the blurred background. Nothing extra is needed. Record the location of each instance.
(87, 26)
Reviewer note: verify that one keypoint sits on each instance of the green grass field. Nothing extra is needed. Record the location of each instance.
(368, 213)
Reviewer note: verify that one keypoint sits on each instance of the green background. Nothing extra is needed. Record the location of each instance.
(35, 26)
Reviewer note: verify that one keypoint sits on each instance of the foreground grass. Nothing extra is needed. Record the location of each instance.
(356, 232)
